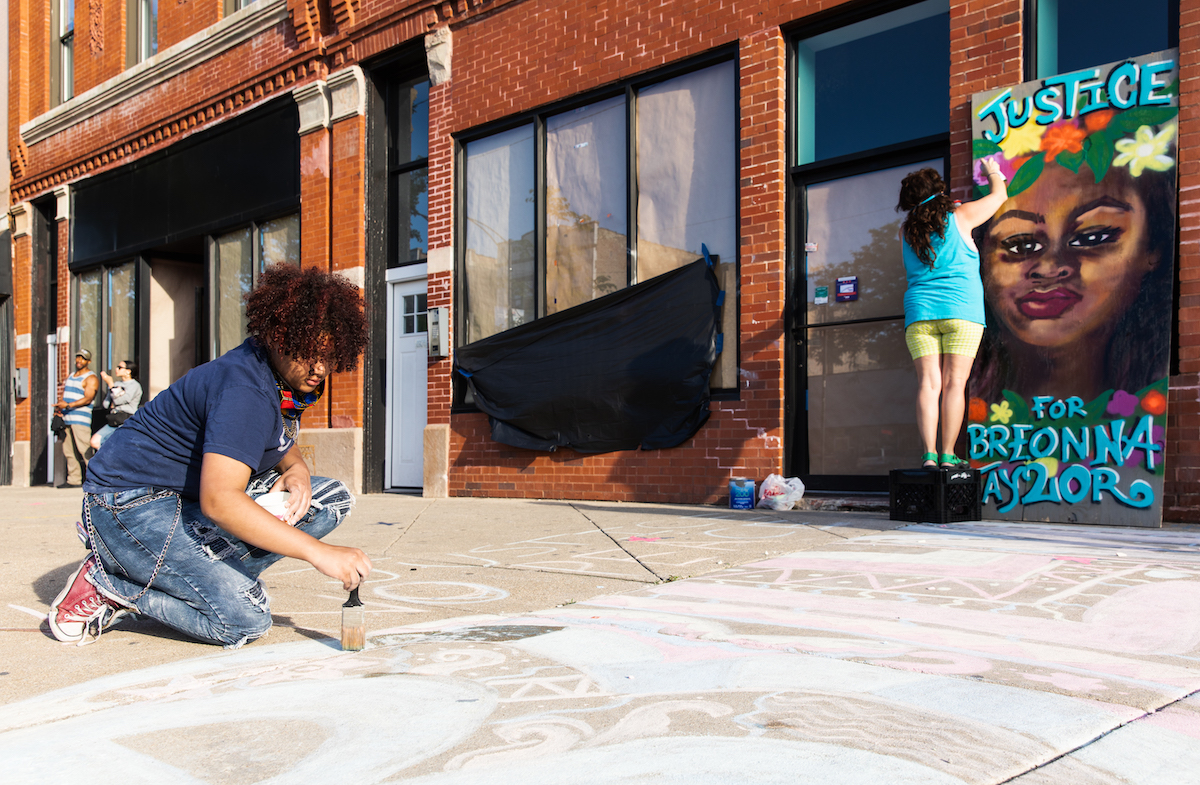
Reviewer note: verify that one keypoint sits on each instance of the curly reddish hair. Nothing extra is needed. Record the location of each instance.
(308, 314)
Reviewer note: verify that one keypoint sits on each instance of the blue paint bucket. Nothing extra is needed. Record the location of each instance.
(741, 493)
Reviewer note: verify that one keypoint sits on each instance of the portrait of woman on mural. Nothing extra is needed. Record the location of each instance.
(1078, 263)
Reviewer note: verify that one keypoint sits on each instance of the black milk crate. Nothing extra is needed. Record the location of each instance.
(934, 495)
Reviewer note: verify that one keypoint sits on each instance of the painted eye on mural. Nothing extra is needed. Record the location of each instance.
(1021, 245)
(1089, 238)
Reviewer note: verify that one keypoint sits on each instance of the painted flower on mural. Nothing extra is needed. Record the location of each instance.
(1023, 140)
(1063, 138)
(1147, 150)
(1154, 402)
(1007, 167)
(1098, 121)
(1001, 412)
(977, 410)
(1121, 404)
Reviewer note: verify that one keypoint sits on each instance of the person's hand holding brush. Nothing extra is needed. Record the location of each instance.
(346, 564)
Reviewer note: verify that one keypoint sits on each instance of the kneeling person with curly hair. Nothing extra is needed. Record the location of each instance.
(170, 518)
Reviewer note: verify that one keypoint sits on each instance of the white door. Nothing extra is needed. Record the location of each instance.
(408, 356)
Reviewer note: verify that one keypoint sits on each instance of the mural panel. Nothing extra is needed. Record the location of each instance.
(1068, 403)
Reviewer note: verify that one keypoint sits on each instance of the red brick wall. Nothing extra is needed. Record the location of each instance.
(1181, 491)
(527, 55)
(985, 53)
(22, 251)
(99, 42)
(315, 170)
(38, 30)
(182, 18)
(348, 240)
(62, 308)
(440, 285)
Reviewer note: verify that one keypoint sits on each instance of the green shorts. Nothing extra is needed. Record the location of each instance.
(943, 336)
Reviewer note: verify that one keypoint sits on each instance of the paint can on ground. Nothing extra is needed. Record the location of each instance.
(741, 493)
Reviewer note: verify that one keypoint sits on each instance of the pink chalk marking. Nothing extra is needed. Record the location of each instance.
(644, 539)
(1178, 720)
(1080, 559)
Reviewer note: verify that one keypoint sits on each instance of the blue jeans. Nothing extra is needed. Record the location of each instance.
(158, 554)
(104, 433)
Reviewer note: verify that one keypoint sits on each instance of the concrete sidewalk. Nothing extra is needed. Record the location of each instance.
(550, 641)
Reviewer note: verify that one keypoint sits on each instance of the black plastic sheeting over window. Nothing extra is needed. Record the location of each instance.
(630, 369)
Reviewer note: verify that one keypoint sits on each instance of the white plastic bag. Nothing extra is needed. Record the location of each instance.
(777, 493)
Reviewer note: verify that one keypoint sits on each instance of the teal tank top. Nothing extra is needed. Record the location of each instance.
(951, 289)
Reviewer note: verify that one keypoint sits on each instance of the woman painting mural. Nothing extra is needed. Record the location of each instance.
(943, 305)
(1077, 264)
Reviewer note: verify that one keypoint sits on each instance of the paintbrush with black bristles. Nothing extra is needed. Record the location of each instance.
(354, 628)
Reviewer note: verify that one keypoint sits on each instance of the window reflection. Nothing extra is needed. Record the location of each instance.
(122, 315)
(500, 225)
(687, 170)
(88, 290)
(279, 241)
(234, 279)
(585, 204)
(1077, 34)
(861, 399)
(901, 59)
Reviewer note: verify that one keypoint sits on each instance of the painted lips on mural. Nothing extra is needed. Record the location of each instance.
(1077, 269)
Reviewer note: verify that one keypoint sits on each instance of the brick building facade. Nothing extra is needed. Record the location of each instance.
(388, 96)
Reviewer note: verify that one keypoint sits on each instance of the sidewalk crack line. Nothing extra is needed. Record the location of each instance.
(1090, 742)
(618, 543)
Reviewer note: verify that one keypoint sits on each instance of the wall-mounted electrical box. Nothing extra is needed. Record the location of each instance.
(439, 332)
(21, 383)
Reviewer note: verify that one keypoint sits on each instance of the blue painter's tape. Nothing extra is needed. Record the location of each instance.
(720, 298)
(707, 258)
(720, 342)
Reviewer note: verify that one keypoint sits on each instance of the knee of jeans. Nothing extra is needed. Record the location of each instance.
(249, 619)
(332, 501)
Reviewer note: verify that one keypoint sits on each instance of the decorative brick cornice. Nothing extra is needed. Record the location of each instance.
(216, 109)
(345, 12)
(306, 20)
(189, 53)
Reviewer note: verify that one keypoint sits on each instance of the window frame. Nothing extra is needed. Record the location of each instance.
(212, 271)
(397, 170)
(62, 58)
(137, 30)
(796, 427)
(627, 88)
(1033, 43)
(141, 314)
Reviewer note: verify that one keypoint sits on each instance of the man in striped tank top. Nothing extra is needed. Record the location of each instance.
(79, 395)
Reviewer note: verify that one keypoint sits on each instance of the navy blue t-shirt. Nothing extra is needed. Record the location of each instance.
(229, 406)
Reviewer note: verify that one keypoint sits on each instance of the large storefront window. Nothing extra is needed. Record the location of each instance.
(683, 172)
(236, 259)
(106, 314)
(585, 204)
(1071, 35)
(871, 105)
(499, 260)
(686, 170)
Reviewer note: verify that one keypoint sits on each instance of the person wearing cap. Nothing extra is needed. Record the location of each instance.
(75, 406)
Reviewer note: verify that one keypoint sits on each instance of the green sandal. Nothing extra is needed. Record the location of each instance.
(929, 460)
(951, 461)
